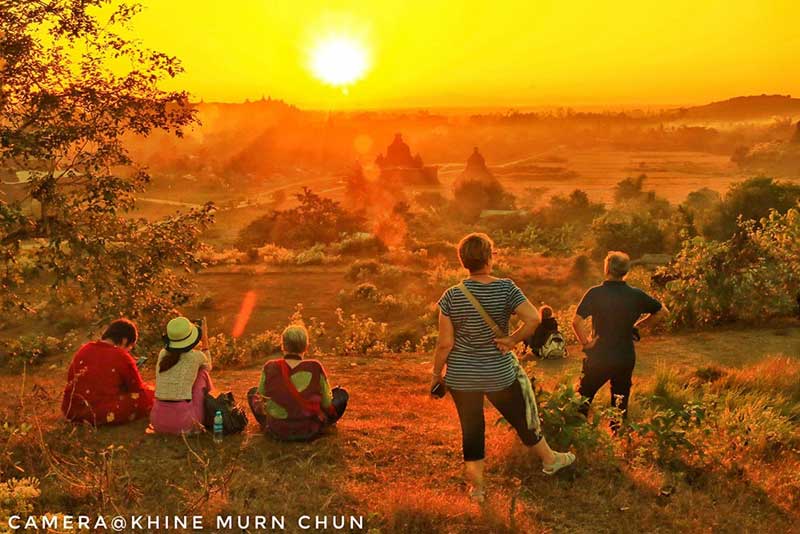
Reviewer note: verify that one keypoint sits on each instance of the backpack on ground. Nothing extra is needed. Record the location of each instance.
(555, 347)
(234, 419)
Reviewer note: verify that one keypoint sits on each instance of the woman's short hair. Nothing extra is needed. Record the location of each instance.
(475, 251)
(546, 311)
(294, 339)
(617, 264)
(121, 329)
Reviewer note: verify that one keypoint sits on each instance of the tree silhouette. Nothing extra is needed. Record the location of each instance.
(73, 87)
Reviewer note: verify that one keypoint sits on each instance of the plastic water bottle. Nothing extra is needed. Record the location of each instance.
(218, 427)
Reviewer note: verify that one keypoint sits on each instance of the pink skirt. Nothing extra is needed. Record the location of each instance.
(177, 417)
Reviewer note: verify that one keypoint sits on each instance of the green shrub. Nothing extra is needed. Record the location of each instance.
(360, 335)
(361, 269)
(634, 233)
(315, 220)
(33, 349)
(665, 432)
(17, 497)
(361, 244)
(581, 268)
(228, 351)
(753, 276)
(749, 200)
(564, 424)
(557, 241)
(404, 341)
(366, 292)
(441, 275)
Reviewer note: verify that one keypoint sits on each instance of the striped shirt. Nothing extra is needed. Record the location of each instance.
(475, 363)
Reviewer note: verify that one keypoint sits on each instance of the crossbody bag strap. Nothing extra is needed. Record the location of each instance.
(531, 409)
(482, 312)
(287, 381)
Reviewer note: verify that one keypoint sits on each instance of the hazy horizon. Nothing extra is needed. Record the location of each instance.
(512, 54)
(521, 107)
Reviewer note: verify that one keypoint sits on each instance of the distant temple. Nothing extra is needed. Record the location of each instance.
(796, 138)
(476, 168)
(400, 166)
(478, 191)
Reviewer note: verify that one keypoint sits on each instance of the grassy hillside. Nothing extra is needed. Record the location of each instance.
(395, 456)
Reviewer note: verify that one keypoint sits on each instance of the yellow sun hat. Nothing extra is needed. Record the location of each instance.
(181, 334)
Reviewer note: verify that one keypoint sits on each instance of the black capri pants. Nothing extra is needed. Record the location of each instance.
(511, 405)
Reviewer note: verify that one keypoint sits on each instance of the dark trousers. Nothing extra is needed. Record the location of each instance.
(596, 374)
(509, 402)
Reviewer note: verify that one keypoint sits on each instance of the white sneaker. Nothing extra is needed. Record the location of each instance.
(563, 459)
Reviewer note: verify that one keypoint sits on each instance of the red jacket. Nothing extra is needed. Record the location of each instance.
(104, 386)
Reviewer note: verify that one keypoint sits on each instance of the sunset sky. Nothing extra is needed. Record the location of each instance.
(481, 54)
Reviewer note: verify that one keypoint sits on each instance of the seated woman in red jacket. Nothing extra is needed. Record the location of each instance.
(293, 401)
(104, 386)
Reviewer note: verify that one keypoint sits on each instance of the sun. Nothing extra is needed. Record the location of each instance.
(339, 60)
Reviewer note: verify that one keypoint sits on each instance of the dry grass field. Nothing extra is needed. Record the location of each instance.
(395, 457)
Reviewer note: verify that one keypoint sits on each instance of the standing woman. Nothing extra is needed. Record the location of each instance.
(480, 364)
(181, 378)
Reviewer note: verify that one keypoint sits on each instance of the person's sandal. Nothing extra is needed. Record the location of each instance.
(477, 495)
(563, 459)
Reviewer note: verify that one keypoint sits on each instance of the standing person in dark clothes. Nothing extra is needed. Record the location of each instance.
(616, 310)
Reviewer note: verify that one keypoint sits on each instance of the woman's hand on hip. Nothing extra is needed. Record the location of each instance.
(505, 343)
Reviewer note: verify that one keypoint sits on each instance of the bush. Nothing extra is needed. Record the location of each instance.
(17, 497)
(361, 269)
(564, 425)
(665, 432)
(315, 220)
(360, 335)
(576, 208)
(361, 244)
(560, 241)
(33, 349)
(472, 196)
(228, 351)
(230, 256)
(581, 268)
(441, 275)
(405, 340)
(750, 200)
(315, 256)
(366, 292)
(634, 233)
(753, 276)
(275, 255)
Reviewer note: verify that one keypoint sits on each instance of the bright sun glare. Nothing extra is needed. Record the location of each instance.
(339, 61)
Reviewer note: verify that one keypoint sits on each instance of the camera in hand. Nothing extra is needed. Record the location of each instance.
(438, 390)
(636, 335)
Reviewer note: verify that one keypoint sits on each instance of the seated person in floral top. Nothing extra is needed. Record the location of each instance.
(293, 401)
(104, 386)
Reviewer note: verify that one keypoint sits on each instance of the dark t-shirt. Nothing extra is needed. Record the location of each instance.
(614, 308)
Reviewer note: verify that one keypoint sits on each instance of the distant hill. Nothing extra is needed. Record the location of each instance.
(745, 107)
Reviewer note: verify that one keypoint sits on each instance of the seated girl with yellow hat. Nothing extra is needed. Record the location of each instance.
(182, 376)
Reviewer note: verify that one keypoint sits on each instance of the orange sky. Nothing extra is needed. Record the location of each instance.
(487, 53)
